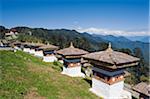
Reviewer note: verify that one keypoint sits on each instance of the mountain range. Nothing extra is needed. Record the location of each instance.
(145, 39)
(121, 42)
(62, 37)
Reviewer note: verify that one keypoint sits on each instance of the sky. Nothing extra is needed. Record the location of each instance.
(115, 17)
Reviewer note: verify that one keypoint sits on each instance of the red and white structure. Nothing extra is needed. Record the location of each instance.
(72, 61)
(108, 73)
(49, 53)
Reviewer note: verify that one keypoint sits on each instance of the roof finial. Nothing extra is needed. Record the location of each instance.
(32, 42)
(109, 49)
(47, 43)
(109, 46)
(71, 45)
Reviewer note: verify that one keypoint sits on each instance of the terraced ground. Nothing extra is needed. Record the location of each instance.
(25, 76)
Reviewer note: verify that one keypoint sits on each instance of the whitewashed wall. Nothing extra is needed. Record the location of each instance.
(107, 91)
(39, 53)
(61, 61)
(126, 95)
(26, 49)
(32, 51)
(17, 48)
(73, 71)
(50, 58)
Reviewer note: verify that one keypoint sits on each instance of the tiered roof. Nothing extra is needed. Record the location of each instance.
(71, 51)
(113, 58)
(15, 43)
(49, 47)
(143, 88)
(33, 44)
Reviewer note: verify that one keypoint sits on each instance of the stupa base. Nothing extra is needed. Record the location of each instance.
(73, 72)
(125, 95)
(96, 93)
(49, 58)
(106, 91)
(79, 75)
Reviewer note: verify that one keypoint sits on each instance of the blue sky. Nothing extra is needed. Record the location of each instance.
(83, 15)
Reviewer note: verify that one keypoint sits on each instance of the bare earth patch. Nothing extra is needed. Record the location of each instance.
(33, 94)
(38, 69)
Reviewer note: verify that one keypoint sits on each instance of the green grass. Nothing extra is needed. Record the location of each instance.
(23, 76)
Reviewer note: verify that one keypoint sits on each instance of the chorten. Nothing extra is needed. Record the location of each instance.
(108, 72)
(72, 60)
(49, 52)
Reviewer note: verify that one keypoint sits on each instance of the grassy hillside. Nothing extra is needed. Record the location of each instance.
(24, 76)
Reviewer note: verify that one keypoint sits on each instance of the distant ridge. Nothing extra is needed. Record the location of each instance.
(145, 39)
(90, 42)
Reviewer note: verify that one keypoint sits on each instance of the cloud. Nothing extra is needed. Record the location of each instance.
(101, 31)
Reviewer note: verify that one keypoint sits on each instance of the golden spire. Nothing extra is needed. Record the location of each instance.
(109, 49)
(32, 43)
(71, 45)
(38, 42)
(47, 43)
(109, 46)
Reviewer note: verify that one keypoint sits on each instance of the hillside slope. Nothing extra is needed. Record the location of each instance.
(24, 76)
